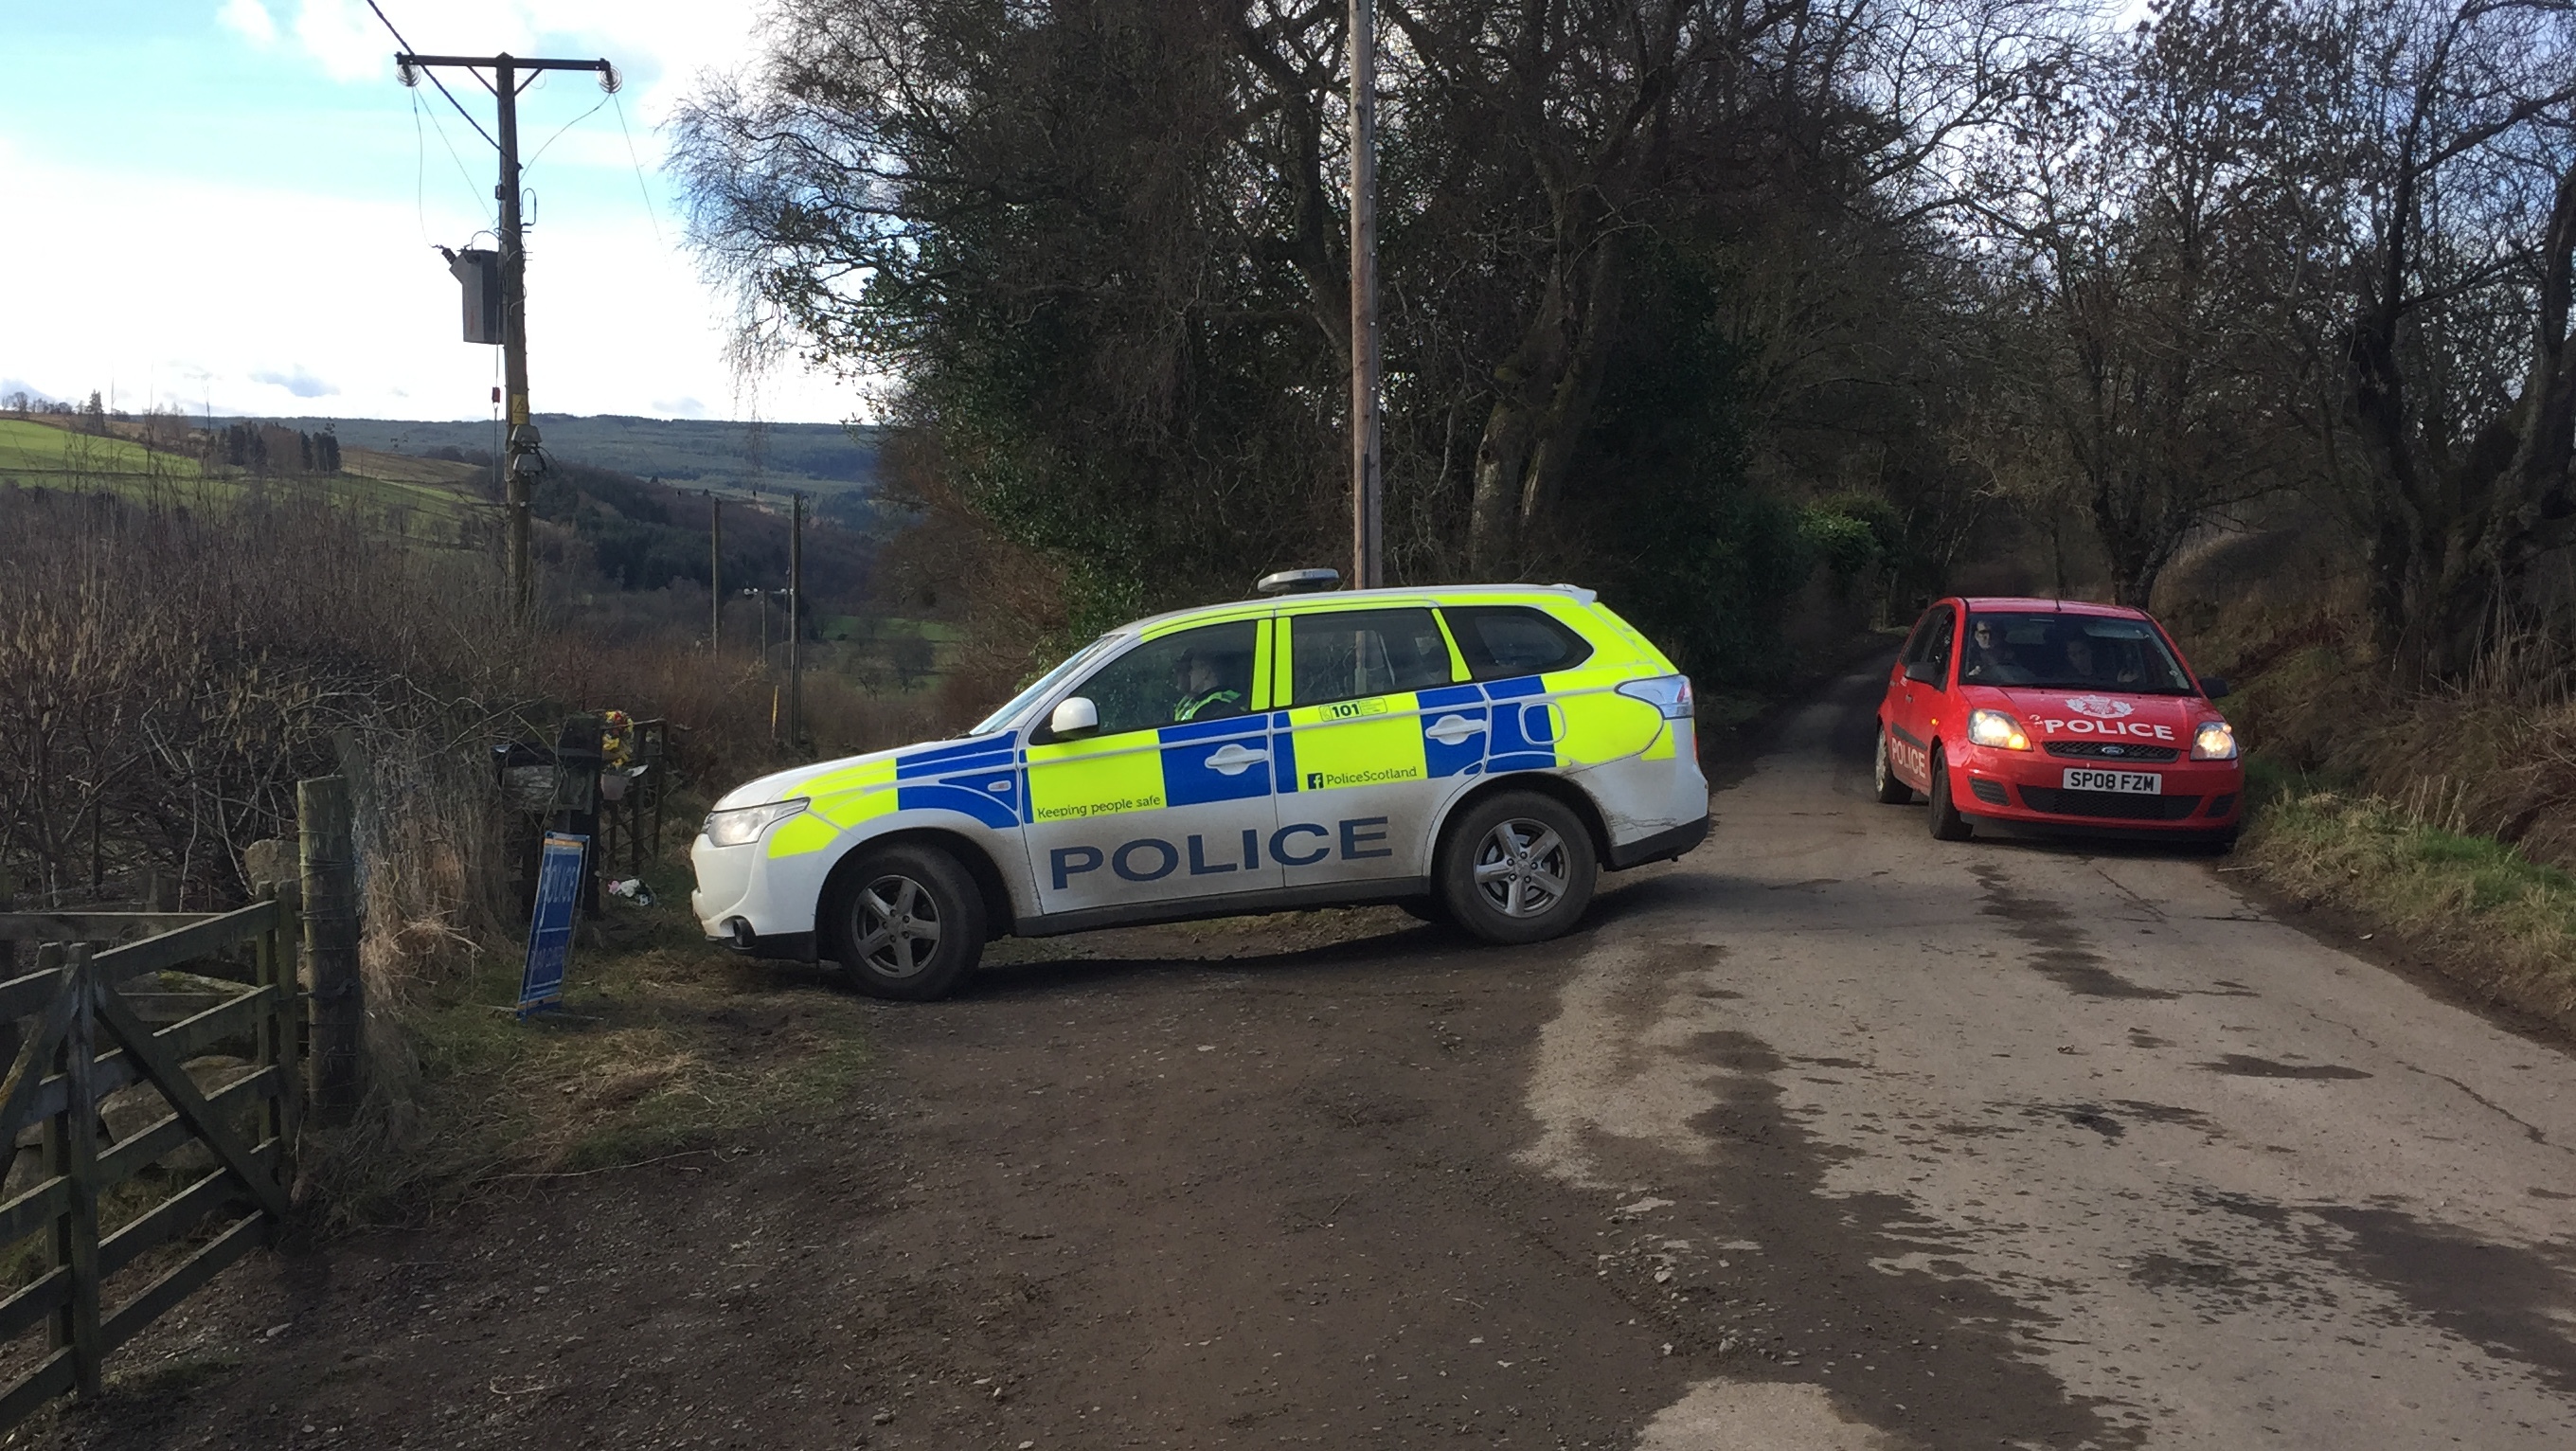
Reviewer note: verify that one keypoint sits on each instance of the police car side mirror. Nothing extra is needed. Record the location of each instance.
(1075, 715)
(2213, 686)
(1923, 672)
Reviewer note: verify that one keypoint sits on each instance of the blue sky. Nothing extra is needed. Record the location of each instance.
(231, 204)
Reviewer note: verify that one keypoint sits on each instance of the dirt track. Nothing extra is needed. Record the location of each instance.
(1830, 1136)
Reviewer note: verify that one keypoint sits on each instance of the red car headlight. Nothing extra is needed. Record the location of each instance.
(1994, 728)
(2214, 741)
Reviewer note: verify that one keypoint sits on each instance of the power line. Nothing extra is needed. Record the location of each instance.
(481, 204)
(641, 192)
(435, 81)
(568, 125)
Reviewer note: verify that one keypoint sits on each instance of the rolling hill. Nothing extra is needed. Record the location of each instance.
(834, 464)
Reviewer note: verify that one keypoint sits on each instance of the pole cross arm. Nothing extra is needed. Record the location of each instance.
(514, 62)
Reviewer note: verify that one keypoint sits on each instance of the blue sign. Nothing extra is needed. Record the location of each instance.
(550, 930)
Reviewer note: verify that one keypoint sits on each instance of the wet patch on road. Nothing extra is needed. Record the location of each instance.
(2239, 1065)
(2101, 1118)
(2514, 1302)
(2165, 1113)
(1721, 1233)
(2061, 951)
(2171, 1272)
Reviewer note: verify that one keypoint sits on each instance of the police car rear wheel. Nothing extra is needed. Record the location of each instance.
(1891, 790)
(1517, 868)
(912, 924)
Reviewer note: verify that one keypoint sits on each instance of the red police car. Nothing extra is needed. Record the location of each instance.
(2056, 714)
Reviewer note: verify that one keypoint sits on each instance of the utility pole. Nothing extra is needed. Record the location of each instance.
(715, 576)
(796, 621)
(520, 461)
(1368, 543)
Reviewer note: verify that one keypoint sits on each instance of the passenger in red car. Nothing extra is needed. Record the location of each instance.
(2082, 665)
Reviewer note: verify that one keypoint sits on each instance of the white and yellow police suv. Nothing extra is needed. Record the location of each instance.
(1476, 753)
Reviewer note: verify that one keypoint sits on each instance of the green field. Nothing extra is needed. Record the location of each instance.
(35, 448)
(38, 455)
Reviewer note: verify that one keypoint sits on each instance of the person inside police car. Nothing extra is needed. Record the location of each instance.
(1204, 693)
(2087, 668)
(1989, 658)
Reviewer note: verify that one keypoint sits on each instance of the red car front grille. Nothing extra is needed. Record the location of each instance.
(2112, 751)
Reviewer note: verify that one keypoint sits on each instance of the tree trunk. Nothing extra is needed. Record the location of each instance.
(1570, 408)
(1523, 386)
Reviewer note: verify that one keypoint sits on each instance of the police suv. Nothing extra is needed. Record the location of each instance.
(1476, 754)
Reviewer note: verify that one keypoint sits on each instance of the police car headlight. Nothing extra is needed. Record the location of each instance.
(1994, 728)
(2214, 741)
(744, 824)
(1670, 694)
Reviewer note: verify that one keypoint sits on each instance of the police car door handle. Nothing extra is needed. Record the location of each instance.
(1449, 730)
(1231, 759)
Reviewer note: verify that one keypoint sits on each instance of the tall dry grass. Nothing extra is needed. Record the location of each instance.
(171, 666)
(2446, 817)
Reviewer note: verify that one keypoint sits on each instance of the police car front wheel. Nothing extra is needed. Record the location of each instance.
(911, 923)
(1518, 867)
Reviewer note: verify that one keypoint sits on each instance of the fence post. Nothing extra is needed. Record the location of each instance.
(71, 1150)
(277, 1026)
(329, 858)
(9, 1039)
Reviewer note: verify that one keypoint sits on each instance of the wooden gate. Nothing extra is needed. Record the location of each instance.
(82, 1042)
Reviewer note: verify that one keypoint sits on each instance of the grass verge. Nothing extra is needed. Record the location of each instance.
(663, 1046)
(2476, 909)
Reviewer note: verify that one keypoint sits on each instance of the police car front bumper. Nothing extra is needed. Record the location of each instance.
(734, 903)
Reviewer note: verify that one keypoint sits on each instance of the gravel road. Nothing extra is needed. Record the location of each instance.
(1828, 1137)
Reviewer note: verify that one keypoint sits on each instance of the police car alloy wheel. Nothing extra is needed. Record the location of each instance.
(1891, 791)
(1517, 867)
(911, 924)
(1947, 823)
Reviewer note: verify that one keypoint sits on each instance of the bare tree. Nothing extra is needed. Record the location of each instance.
(2453, 231)
(2143, 221)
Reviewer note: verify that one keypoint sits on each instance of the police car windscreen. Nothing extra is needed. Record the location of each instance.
(1042, 685)
(2069, 652)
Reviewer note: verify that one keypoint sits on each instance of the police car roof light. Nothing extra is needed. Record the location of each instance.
(1298, 581)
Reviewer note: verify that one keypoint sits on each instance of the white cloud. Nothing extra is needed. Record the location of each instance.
(618, 322)
(296, 380)
(250, 20)
(346, 38)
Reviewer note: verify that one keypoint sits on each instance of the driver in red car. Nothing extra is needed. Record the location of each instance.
(2060, 716)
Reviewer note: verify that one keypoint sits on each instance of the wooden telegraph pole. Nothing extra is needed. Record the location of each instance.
(520, 460)
(796, 621)
(1368, 543)
(715, 575)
